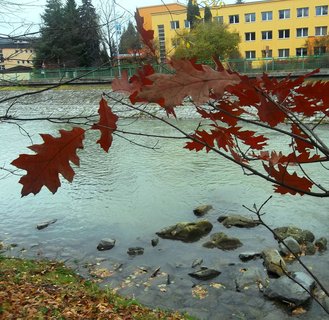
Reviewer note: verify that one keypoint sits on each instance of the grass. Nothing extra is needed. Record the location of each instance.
(48, 290)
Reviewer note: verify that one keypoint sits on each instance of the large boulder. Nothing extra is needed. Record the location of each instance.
(250, 278)
(237, 221)
(186, 231)
(222, 241)
(273, 262)
(287, 290)
(300, 235)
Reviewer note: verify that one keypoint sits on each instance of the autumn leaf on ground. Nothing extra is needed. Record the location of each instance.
(52, 158)
(106, 125)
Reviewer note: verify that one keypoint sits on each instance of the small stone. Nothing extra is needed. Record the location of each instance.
(154, 242)
(321, 244)
(45, 224)
(205, 274)
(134, 251)
(221, 241)
(273, 262)
(202, 210)
(292, 244)
(238, 221)
(106, 244)
(247, 256)
(310, 248)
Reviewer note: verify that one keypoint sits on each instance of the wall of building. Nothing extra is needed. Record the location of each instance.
(252, 32)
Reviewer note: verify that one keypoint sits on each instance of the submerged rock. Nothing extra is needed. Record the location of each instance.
(300, 235)
(134, 251)
(246, 256)
(238, 221)
(205, 274)
(251, 277)
(45, 224)
(222, 241)
(273, 262)
(154, 242)
(321, 244)
(202, 210)
(286, 290)
(186, 231)
(197, 262)
(292, 244)
(106, 244)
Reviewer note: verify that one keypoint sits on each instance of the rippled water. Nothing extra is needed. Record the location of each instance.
(132, 192)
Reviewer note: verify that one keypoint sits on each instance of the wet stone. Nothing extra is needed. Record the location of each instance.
(106, 244)
(221, 241)
(205, 274)
(202, 210)
(310, 249)
(300, 235)
(237, 221)
(292, 244)
(250, 278)
(247, 256)
(321, 244)
(135, 251)
(45, 224)
(154, 242)
(273, 262)
(197, 262)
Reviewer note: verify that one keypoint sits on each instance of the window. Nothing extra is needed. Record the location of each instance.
(250, 17)
(234, 18)
(284, 14)
(175, 42)
(162, 42)
(267, 35)
(321, 31)
(301, 52)
(250, 54)
(284, 34)
(267, 16)
(302, 32)
(267, 53)
(321, 10)
(219, 19)
(250, 36)
(302, 12)
(187, 24)
(283, 53)
(319, 50)
(174, 24)
(18, 62)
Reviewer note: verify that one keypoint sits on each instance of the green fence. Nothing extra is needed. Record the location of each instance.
(251, 66)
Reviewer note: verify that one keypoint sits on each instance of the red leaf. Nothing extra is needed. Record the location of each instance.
(301, 145)
(293, 183)
(123, 84)
(203, 136)
(190, 79)
(52, 158)
(147, 35)
(106, 125)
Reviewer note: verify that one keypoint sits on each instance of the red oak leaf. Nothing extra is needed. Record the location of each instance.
(123, 84)
(147, 35)
(106, 125)
(52, 158)
(293, 184)
(190, 80)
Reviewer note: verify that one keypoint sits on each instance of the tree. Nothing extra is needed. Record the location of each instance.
(49, 46)
(207, 14)
(207, 40)
(90, 34)
(193, 13)
(129, 41)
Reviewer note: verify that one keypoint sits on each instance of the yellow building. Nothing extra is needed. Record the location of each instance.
(271, 28)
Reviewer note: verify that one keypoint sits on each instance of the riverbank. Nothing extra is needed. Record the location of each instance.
(49, 290)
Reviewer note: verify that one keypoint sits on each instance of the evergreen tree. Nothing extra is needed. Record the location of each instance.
(72, 45)
(193, 13)
(207, 14)
(129, 41)
(49, 47)
(90, 34)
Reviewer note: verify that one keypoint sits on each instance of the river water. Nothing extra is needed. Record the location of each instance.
(132, 192)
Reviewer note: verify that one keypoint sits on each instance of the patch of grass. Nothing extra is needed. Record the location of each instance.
(48, 290)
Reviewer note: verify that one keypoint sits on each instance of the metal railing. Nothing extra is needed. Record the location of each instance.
(248, 66)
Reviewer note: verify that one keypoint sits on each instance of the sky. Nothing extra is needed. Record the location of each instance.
(23, 16)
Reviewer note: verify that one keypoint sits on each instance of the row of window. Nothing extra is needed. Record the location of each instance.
(24, 61)
(285, 33)
(21, 50)
(282, 14)
(285, 53)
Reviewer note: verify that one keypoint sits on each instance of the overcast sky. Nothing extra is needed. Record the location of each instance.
(21, 16)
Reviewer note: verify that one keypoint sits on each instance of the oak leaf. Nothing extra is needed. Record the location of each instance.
(106, 125)
(147, 35)
(52, 158)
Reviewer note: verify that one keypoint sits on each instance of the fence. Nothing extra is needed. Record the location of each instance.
(251, 66)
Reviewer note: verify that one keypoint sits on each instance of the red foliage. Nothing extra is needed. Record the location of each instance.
(52, 158)
(147, 35)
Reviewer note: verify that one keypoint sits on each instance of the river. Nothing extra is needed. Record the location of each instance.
(132, 192)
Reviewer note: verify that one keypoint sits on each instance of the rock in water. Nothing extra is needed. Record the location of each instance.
(300, 235)
(321, 244)
(292, 244)
(134, 251)
(221, 241)
(106, 244)
(205, 274)
(202, 210)
(45, 224)
(186, 231)
(238, 221)
(274, 262)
